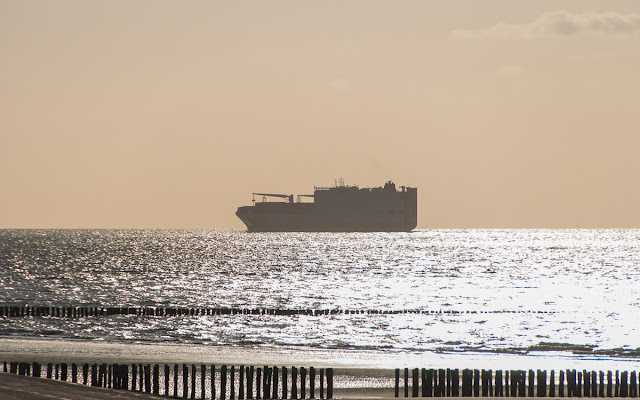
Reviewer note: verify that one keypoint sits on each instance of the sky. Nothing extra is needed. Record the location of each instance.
(165, 114)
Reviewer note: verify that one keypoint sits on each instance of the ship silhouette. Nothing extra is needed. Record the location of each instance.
(339, 208)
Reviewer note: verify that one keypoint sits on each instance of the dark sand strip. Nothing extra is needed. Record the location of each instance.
(16, 387)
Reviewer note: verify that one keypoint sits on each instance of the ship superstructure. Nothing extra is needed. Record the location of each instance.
(339, 208)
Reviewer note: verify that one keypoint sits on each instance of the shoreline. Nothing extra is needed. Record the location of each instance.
(54, 350)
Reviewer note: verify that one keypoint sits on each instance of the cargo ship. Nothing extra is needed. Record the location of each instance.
(339, 208)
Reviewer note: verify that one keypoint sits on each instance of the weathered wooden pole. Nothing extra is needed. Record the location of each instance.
(294, 383)
(284, 383)
(156, 379)
(223, 382)
(147, 378)
(303, 382)
(203, 381)
(193, 381)
(532, 380)
(258, 383)
(85, 373)
(241, 379)
(498, 387)
(397, 386)
(586, 375)
(561, 383)
(275, 382)
(322, 383)
(329, 383)
(250, 382)
(476, 383)
(63, 371)
(312, 383)
(609, 384)
(213, 382)
(415, 384)
(467, 383)
(185, 381)
(406, 382)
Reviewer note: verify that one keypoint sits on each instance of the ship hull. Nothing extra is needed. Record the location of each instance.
(341, 209)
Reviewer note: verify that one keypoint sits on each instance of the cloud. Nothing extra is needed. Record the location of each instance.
(561, 23)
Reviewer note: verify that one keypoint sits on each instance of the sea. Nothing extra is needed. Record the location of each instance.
(551, 295)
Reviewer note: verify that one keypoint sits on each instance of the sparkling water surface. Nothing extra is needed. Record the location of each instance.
(515, 290)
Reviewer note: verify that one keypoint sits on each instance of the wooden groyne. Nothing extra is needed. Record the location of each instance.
(423, 382)
(191, 381)
(12, 311)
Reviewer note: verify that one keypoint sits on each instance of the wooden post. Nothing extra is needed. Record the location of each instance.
(476, 383)
(397, 386)
(63, 372)
(156, 379)
(406, 382)
(532, 380)
(578, 392)
(269, 382)
(275, 382)
(176, 371)
(322, 383)
(617, 387)
(213, 382)
(552, 384)
(232, 382)
(94, 375)
(303, 382)
(284, 383)
(609, 384)
(485, 376)
(250, 382)
(624, 384)
(85, 373)
(258, 383)
(602, 385)
(561, 384)
(241, 379)
(185, 381)
(415, 384)
(203, 381)
(467, 383)
(587, 383)
(147, 378)
(294, 382)
(312, 383)
(507, 380)
(167, 372)
(223, 382)
(193, 381)
(633, 385)
(329, 383)
(498, 388)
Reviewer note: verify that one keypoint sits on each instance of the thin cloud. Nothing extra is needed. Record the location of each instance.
(561, 23)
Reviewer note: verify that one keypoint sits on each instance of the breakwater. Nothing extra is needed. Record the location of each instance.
(190, 381)
(540, 383)
(12, 311)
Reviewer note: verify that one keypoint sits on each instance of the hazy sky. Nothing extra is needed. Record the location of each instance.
(168, 114)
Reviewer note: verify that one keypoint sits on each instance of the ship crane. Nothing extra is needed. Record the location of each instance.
(303, 195)
(287, 197)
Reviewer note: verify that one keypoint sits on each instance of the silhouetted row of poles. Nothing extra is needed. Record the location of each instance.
(82, 311)
(225, 382)
(487, 383)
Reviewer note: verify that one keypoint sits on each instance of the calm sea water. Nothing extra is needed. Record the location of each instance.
(578, 289)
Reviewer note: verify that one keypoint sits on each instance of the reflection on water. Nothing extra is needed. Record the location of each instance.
(583, 282)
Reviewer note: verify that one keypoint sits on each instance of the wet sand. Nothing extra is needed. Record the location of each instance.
(357, 374)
